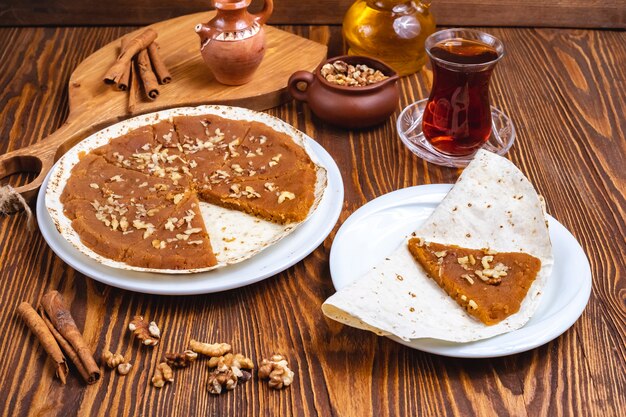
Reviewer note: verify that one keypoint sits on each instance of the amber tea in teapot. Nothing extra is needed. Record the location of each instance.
(457, 118)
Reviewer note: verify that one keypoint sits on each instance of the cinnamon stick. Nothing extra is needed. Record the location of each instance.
(67, 348)
(160, 69)
(36, 324)
(124, 81)
(134, 88)
(148, 79)
(135, 45)
(55, 310)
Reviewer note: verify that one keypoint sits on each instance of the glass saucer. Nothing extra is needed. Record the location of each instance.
(409, 125)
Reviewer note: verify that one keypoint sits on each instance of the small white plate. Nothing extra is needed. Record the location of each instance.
(385, 220)
(267, 263)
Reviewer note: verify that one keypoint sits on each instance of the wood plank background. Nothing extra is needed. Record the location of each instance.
(540, 13)
(568, 103)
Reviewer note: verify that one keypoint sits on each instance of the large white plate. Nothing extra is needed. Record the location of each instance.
(267, 263)
(385, 220)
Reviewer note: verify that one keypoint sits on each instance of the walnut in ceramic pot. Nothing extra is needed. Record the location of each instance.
(342, 73)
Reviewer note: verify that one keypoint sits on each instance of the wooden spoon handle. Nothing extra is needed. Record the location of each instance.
(40, 157)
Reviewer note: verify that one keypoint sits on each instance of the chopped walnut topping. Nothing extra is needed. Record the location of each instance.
(494, 275)
(124, 224)
(269, 186)
(285, 195)
(262, 139)
(464, 262)
(249, 192)
(219, 175)
(94, 185)
(170, 224)
(193, 230)
(231, 148)
(178, 198)
(148, 227)
(237, 168)
(116, 178)
(472, 304)
(158, 244)
(235, 191)
(485, 261)
(468, 278)
(441, 254)
(114, 222)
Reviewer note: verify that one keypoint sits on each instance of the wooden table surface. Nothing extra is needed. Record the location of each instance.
(564, 89)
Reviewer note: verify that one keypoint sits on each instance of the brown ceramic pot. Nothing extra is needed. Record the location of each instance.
(349, 107)
(232, 44)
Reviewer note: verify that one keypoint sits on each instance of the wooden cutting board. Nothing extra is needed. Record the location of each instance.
(95, 105)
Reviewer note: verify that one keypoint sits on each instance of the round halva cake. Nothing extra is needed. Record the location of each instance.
(138, 198)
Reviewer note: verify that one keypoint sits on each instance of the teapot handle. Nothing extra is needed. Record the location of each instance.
(300, 77)
(265, 13)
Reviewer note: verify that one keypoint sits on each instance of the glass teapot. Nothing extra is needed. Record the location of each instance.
(393, 31)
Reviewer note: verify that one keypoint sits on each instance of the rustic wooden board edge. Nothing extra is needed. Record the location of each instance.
(572, 14)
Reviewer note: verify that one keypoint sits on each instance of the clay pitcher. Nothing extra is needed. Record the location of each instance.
(232, 44)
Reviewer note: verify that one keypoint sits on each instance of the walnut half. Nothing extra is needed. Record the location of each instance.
(277, 371)
(180, 360)
(148, 333)
(162, 374)
(229, 370)
(209, 349)
(116, 361)
(221, 378)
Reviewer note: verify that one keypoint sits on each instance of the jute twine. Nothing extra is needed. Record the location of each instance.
(11, 201)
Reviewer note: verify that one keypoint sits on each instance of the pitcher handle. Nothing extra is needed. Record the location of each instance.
(265, 13)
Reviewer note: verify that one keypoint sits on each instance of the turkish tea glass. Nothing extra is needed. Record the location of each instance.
(457, 119)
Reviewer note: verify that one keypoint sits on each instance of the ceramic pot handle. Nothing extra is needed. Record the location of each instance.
(265, 14)
(300, 77)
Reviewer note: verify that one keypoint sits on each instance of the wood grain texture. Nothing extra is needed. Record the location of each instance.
(553, 13)
(568, 103)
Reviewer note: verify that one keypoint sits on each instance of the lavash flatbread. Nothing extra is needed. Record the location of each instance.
(235, 235)
(492, 205)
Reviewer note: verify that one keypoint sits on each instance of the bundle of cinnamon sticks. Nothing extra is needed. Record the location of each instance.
(139, 62)
(55, 327)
